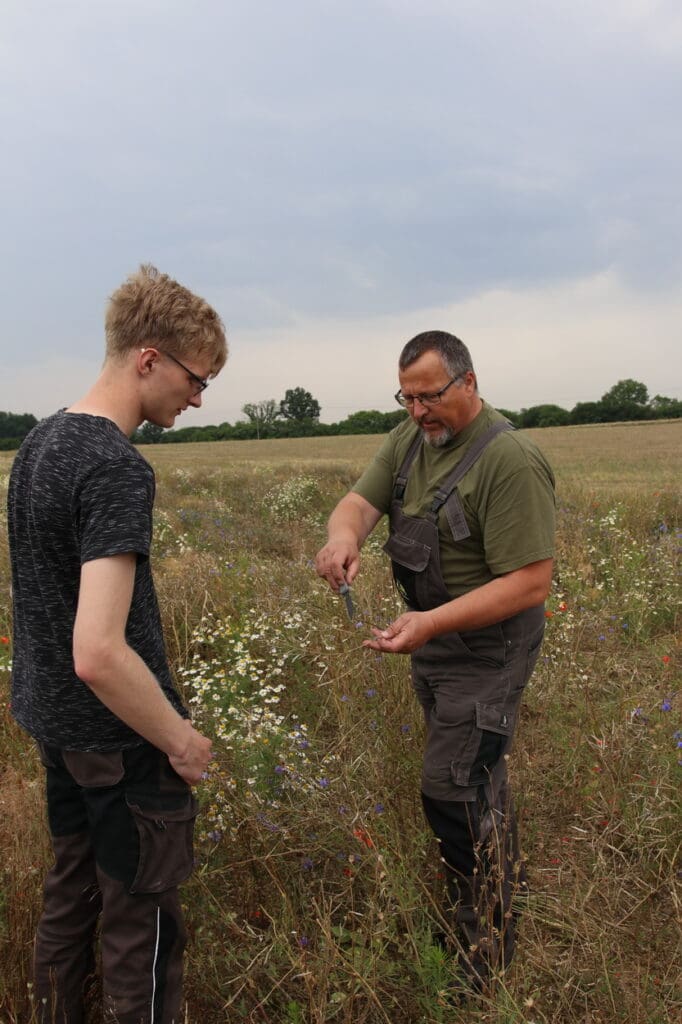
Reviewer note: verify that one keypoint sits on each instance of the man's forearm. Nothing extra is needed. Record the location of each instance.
(121, 680)
(493, 602)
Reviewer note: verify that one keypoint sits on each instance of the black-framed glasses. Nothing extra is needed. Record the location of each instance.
(200, 382)
(433, 399)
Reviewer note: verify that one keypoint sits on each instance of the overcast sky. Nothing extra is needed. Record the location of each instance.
(335, 176)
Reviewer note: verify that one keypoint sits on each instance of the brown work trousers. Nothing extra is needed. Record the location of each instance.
(121, 826)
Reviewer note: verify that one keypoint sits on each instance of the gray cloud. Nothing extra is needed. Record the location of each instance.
(314, 162)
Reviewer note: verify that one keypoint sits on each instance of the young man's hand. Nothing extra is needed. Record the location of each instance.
(192, 761)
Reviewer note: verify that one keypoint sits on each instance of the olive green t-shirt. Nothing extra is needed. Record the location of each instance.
(507, 497)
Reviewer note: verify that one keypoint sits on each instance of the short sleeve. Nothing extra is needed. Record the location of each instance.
(115, 510)
(376, 483)
(520, 517)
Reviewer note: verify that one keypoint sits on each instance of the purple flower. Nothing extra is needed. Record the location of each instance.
(666, 706)
(358, 625)
(323, 783)
(215, 836)
(306, 863)
(370, 693)
(345, 698)
(303, 941)
(405, 729)
(379, 808)
(280, 768)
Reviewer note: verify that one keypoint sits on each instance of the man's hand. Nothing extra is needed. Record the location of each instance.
(406, 634)
(338, 562)
(350, 524)
(192, 762)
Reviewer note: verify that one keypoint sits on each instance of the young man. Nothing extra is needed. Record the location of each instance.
(471, 508)
(90, 679)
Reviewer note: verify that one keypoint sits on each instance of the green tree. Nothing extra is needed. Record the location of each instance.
(16, 425)
(261, 414)
(513, 417)
(299, 405)
(665, 408)
(543, 416)
(149, 433)
(626, 400)
(588, 412)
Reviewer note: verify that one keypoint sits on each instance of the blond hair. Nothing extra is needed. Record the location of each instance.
(152, 309)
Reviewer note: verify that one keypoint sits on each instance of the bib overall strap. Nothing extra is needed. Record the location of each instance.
(464, 465)
(401, 480)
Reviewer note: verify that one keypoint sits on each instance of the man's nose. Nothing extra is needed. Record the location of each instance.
(195, 400)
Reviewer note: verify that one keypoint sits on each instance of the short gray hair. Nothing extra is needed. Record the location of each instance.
(453, 352)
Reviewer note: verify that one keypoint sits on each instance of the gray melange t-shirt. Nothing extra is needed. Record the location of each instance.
(79, 490)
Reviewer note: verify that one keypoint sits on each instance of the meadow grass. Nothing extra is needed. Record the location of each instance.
(317, 891)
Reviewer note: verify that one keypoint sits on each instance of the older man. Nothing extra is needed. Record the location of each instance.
(90, 678)
(471, 510)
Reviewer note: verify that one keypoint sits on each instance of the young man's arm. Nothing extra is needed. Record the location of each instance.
(118, 676)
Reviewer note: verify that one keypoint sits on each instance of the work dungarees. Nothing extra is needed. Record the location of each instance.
(469, 685)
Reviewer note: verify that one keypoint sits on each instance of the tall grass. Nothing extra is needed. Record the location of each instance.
(318, 888)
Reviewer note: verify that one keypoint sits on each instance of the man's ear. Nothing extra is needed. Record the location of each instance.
(146, 357)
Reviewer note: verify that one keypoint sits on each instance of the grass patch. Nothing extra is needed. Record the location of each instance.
(317, 890)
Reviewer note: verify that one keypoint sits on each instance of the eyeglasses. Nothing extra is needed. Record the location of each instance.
(200, 382)
(433, 399)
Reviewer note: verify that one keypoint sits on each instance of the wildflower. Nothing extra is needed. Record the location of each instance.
(280, 768)
(666, 705)
(363, 837)
(379, 808)
(370, 693)
(306, 864)
(323, 783)
(4, 639)
(215, 836)
(358, 625)
(563, 606)
(665, 659)
(404, 729)
(345, 698)
(549, 615)
(303, 941)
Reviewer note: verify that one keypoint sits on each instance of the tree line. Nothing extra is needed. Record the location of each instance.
(298, 415)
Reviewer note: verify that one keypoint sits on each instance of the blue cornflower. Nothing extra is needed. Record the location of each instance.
(405, 729)
(666, 706)
(215, 836)
(303, 941)
(323, 783)
(370, 693)
(306, 863)
(379, 808)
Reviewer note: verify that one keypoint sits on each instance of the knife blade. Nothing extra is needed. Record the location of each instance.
(344, 591)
